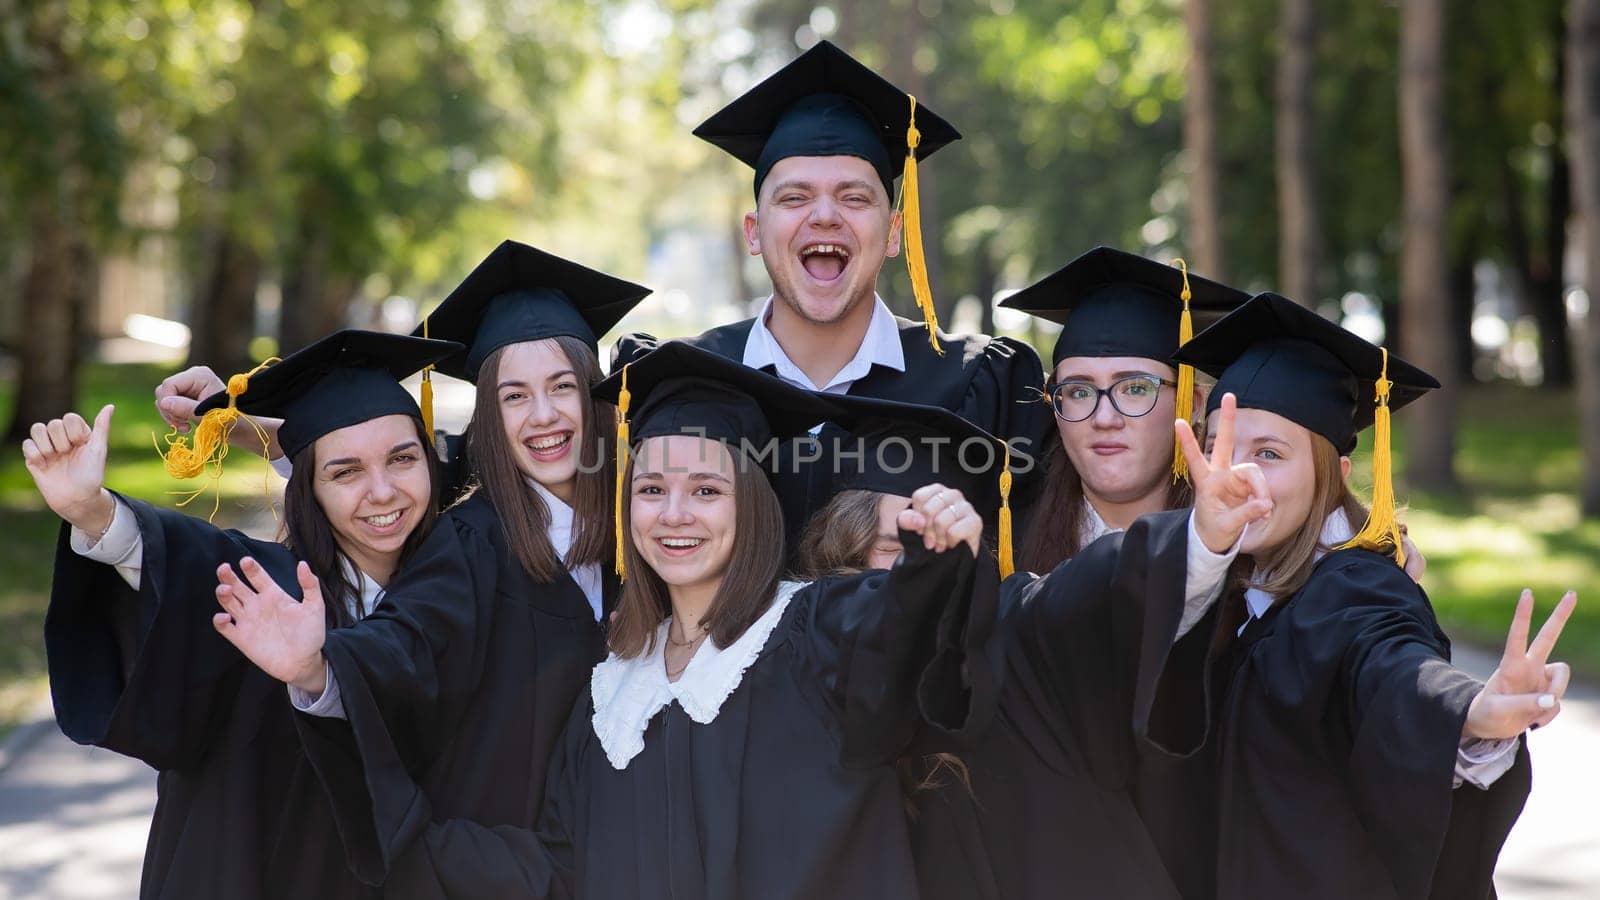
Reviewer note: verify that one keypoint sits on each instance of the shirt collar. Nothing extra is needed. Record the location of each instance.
(629, 692)
(1094, 527)
(880, 346)
(560, 518)
(371, 592)
(1335, 531)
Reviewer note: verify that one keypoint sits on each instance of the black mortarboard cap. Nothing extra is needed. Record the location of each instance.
(521, 293)
(678, 388)
(1113, 303)
(824, 103)
(1275, 355)
(348, 377)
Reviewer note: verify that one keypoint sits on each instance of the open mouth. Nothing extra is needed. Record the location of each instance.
(679, 546)
(549, 447)
(824, 262)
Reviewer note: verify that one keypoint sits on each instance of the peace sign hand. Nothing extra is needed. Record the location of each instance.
(1227, 497)
(1525, 690)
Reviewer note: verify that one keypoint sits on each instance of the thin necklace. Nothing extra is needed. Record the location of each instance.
(681, 643)
(680, 670)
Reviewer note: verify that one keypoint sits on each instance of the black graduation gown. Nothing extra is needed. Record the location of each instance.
(789, 792)
(1049, 811)
(239, 811)
(1336, 721)
(472, 668)
(992, 382)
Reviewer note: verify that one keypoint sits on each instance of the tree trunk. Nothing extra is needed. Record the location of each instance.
(60, 282)
(1425, 310)
(1200, 143)
(223, 318)
(1583, 123)
(223, 312)
(1547, 286)
(985, 283)
(316, 301)
(1299, 210)
(57, 288)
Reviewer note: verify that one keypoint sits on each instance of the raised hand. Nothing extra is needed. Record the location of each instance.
(1526, 689)
(1227, 497)
(281, 635)
(67, 459)
(943, 517)
(178, 395)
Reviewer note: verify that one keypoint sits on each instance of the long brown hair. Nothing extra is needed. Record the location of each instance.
(1056, 532)
(838, 541)
(1288, 566)
(307, 532)
(747, 586)
(523, 514)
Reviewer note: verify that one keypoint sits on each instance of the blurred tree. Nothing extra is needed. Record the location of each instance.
(1583, 117)
(1200, 143)
(61, 163)
(1300, 213)
(1424, 303)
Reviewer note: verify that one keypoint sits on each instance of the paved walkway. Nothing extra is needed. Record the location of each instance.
(73, 820)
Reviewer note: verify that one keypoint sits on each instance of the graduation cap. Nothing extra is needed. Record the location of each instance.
(678, 388)
(521, 293)
(825, 103)
(348, 377)
(1275, 355)
(897, 448)
(1110, 302)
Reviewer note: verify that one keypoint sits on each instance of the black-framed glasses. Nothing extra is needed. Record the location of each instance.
(1131, 395)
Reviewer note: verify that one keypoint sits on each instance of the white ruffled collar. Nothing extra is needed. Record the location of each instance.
(629, 692)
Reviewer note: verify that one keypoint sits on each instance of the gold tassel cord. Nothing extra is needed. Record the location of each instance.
(1007, 564)
(210, 446)
(1185, 398)
(1382, 529)
(911, 205)
(623, 399)
(427, 391)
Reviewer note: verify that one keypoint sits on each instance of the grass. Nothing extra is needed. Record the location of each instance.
(1515, 525)
(133, 468)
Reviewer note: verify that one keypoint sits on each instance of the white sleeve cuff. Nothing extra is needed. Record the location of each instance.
(1203, 578)
(1480, 763)
(326, 705)
(121, 546)
(282, 466)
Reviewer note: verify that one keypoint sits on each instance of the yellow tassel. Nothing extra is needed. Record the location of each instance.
(182, 460)
(1382, 529)
(1185, 398)
(427, 391)
(623, 398)
(912, 205)
(1007, 565)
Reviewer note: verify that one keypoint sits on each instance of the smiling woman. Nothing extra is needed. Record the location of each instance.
(136, 663)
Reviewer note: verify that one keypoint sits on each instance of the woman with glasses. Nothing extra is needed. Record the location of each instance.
(1114, 394)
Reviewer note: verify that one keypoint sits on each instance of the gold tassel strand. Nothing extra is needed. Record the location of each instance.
(623, 399)
(1007, 564)
(1383, 527)
(916, 265)
(1185, 398)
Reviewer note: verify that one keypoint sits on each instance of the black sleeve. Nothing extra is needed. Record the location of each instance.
(1090, 643)
(144, 673)
(1364, 668)
(1005, 398)
(872, 638)
(422, 652)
